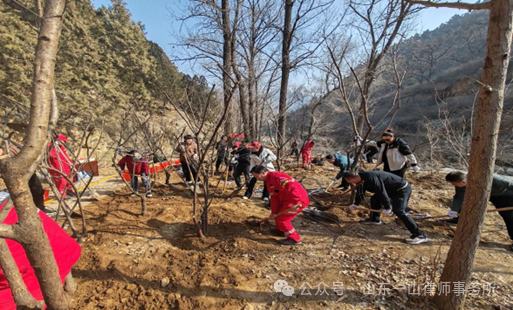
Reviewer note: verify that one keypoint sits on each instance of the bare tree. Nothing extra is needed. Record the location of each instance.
(460, 258)
(206, 133)
(17, 170)
(380, 23)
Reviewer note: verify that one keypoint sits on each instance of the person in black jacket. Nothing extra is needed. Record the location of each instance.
(501, 196)
(391, 194)
(243, 154)
(222, 152)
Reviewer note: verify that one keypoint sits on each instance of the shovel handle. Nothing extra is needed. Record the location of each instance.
(294, 208)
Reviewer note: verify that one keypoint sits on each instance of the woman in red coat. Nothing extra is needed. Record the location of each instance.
(59, 160)
(306, 154)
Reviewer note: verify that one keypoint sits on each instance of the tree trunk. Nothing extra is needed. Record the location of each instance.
(285, 72)
(21, 295)
(227, 63)
(458, 266)
(17, 170)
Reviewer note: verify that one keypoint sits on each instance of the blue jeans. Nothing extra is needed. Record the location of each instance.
(135, 183)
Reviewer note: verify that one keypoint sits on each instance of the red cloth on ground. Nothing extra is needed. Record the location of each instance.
(306, 153)
(141, 166)
(285, 193)
(66, 252)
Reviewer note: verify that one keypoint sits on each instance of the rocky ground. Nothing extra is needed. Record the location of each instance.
(158, 261)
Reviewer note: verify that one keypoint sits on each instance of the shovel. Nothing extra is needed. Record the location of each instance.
(427, 216)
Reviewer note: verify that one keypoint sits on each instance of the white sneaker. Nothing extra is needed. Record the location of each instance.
(149, 195)
(417, 239)
(245, 197)
(265, 199)
(134, 194)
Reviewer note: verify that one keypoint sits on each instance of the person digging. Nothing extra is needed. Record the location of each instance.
(390, 192)
(288, 198)
(501, 196)
(340, 161)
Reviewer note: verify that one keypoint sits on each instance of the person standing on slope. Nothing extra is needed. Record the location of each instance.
(137, 166)
(261, 156)
(395, 154)
(306, 154)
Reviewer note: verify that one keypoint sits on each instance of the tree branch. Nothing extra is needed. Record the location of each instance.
(7, 232)
(453, 5)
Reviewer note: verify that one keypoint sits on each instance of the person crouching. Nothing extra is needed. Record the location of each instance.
(286, 194)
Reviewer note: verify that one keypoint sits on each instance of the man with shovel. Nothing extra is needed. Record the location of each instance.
(344, 164)
(501, 195)
(390, 192)
(288, 198)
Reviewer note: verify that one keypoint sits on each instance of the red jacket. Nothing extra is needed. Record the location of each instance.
(65, 250)
(285, 192)
(58, 159)
(307, 147)
(141, 165)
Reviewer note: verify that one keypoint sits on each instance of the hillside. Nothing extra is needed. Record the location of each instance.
(105, 65)
(443, 67)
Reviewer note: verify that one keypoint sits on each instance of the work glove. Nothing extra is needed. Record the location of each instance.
(387, 212)
(452, 214)
(353, 207)
(416, 168)
(121, 171)
(334, 179)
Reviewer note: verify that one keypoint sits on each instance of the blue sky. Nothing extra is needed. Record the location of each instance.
(160, 25)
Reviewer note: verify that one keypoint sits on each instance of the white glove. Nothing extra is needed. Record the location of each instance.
(452, 214)
(230, 150)
(334, 179)
(121, 171)
(194, 155)
(416, 169)
(386, 212)
(353, 207)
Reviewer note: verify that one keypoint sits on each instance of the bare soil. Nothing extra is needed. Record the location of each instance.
(158, 261)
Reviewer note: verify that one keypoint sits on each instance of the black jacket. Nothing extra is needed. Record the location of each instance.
(244, 157)
(383, 184)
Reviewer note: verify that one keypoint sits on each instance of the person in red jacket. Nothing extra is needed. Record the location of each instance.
(137, 166)
(286, 193)
(59, 159)
(306, 154)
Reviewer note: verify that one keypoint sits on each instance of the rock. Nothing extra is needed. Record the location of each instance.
(509, 171)
(165, 282)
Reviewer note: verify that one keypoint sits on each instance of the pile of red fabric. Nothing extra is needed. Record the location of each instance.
(66, 251)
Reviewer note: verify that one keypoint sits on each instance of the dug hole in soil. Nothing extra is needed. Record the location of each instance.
(158, 261)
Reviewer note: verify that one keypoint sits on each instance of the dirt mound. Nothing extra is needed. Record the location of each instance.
(159, 262)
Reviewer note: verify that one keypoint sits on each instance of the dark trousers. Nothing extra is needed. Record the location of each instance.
(188, 170)
(37, 191)
(219, 161)
(251, 187)
(135, 183)
(370, 155)
(400, 172)
(399, 202)
(344, 183)
(504, 202)
(239, 170)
